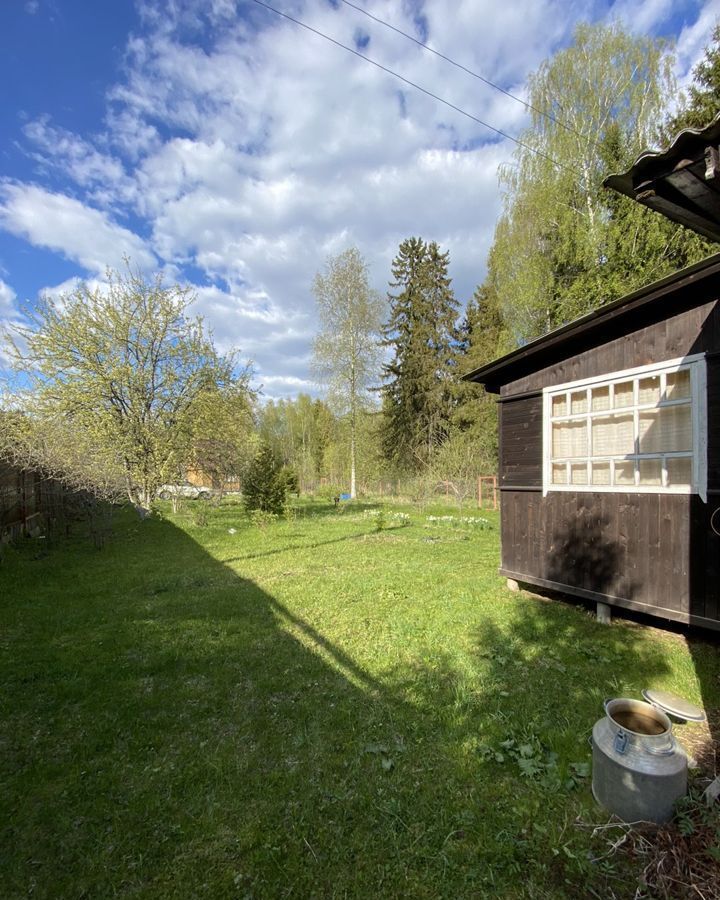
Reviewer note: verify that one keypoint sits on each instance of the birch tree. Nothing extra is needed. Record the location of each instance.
(564, 244)
(346, 351)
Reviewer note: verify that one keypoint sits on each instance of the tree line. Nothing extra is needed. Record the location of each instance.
(120, 389)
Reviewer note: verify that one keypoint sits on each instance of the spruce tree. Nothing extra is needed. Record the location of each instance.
(417, 395)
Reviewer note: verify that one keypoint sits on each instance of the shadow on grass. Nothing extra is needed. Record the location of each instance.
(289, 548)
(172, 730)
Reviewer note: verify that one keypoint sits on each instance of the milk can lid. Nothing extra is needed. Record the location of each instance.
(676, 706)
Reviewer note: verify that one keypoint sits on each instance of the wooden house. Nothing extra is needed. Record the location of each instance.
(609, 469)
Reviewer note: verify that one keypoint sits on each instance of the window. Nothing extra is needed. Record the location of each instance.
(639, 430)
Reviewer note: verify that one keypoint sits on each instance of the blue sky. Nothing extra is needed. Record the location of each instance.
(226, 147)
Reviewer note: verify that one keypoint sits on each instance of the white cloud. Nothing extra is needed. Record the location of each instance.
(59, 150)
(693, 40)
(249, 149)
(642, 16)
(7, 299)
(61, 223)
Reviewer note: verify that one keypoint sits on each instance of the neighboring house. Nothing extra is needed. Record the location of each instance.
(610, 426)
(199, 478)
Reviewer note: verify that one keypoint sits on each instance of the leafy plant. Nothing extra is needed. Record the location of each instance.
(262, 519)
(536, 761)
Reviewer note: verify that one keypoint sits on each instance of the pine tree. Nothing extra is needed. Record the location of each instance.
(418, 395)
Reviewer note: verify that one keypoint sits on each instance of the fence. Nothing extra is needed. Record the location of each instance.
(481, 490)
(31, 504)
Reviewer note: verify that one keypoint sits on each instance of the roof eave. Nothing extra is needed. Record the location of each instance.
(488, 373)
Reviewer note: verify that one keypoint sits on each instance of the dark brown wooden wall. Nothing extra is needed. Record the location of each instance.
(629, 549)
(654, 552)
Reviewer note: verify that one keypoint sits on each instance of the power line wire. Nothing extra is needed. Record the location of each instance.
(463, 68)
(418, 87)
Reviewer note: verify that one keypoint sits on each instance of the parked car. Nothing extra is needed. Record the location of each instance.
(184, 489)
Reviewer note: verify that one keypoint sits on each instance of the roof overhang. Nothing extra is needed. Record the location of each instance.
(682, 182)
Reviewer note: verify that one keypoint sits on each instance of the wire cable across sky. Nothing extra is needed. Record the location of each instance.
(417, 87)
(465, 69)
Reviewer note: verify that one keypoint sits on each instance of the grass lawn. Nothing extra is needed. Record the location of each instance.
(316, 709)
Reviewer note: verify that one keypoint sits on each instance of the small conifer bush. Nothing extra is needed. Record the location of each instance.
(264, 487)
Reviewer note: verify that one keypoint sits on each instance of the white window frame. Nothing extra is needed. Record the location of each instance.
(695, 363)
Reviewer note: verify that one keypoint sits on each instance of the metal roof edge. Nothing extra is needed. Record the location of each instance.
(710, 133)
(595, 317)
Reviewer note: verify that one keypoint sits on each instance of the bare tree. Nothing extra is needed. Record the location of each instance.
(347, 352)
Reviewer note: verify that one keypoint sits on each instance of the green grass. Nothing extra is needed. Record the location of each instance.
(317, 709)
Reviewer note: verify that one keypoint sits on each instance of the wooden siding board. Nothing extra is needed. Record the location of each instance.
(711, 570)
(630, 546)
(681, 555)
(643, 568)
(664, 586)
(654, 548)
(700, 575)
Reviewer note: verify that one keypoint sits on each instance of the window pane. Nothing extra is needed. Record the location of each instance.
(559, 473)
(578, 473)
(624, 394)
(578, 402)
(601, 473)
(679, 470)
(625, 472)
(558, 405)
(678, 385)
(569, 439)
(649, 390)
(650, 471)
(666, 429)
(601, 398)
(612, 435)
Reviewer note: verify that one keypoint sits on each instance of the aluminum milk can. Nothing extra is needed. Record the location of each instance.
(639, 770)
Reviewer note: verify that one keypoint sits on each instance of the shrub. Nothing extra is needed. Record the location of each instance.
(289, 478)
(264, 487)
